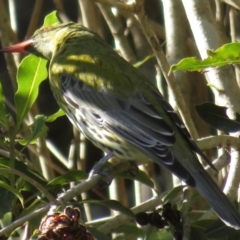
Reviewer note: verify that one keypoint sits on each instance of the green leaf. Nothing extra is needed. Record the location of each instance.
(3, 117)
(206, 223)
(140, 63)
(56, 115)
(20, 166)
(155, 234)
(216, 116)
(33, 207)
(50, 19)
(97, 234)
(219, 229)
(6, 198)
(227, 54)
(197, 234)
(141, 177)
(112, 204)
(12, 190)
(173, 194)
(31, 72)
(38, 129)
(130, 230)
(72, 175)
(7, 219)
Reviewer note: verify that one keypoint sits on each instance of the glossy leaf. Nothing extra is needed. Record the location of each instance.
(197, 234)
(50, 19)
(140, 177)
(142, 62)
(6, 198)
(38, 129)
(219, 229)
(154, 234)
(56, 115)
(130, 229)
(216, 116)
(227, 54)
(6, 219)
(112, 204)
(31, 72)
(172, 194)
(72, 175)
(20, 166)
(97, 234)
(12, 190)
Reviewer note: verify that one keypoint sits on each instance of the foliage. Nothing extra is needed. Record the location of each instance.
(227, 54)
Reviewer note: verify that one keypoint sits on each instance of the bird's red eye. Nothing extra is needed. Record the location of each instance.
(47, 27)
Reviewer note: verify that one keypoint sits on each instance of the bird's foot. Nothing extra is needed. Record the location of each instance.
(127, 168)
(100, 169)
(109, 173)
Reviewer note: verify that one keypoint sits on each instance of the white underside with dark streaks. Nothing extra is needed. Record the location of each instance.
(103, 139)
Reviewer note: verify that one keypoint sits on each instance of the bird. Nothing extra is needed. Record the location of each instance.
(119, 109)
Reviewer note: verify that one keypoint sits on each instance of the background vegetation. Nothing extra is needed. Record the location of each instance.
(44, 160)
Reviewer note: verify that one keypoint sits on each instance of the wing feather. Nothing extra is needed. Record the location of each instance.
(134, 119)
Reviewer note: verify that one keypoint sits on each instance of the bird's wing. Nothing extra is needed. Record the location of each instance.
(134, 119)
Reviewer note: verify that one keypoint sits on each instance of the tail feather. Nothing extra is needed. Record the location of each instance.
(195, 176)
(217, 199)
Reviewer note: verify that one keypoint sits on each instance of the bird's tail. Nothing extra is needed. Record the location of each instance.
(217, 199)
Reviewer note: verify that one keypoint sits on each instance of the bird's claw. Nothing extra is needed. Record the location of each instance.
(109, 173)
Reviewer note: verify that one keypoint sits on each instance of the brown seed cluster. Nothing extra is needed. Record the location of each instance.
(58, 226)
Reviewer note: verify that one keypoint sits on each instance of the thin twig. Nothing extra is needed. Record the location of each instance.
(232, 183)
(233, 3)
(52, 148)
(121, 218)
(8, 37)
(62, 200)
(117, 30)
(33, 23)
(89, 20)
(162, 61)
(187, 193)
(24, 219)
(219, 141)
(131, 7)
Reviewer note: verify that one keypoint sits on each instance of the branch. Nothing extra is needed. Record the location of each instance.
(163, 63)
(62, 200)
(65, 197)
(233, 178)
(127, 7)
(232, 183)
(24, 219)
(121, 218)
(117, 30)
(8, 37)
(219, 141)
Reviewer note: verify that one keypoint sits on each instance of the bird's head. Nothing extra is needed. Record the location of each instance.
(46, 40)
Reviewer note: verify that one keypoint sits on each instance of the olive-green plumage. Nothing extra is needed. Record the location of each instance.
(119, 109)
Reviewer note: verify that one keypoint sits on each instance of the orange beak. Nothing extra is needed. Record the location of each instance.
(19, 47)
